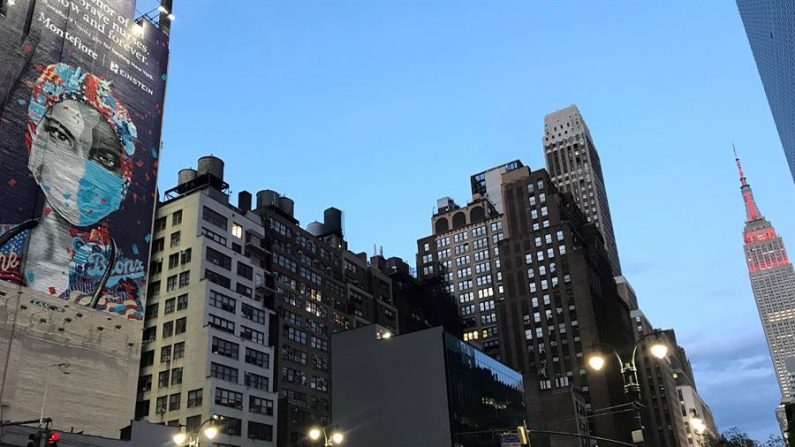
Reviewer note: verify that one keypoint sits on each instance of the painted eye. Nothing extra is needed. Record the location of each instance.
(107, 158)
(56, 134)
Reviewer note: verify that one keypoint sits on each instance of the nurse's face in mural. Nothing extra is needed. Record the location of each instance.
(76, 159)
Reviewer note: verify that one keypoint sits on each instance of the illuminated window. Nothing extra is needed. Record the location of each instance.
(237, 231)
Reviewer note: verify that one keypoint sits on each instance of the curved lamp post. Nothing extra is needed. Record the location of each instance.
(629, 372)
(330, 439)
(210, 432)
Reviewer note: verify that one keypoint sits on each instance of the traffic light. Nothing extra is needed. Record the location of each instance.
(52, 440)
(34, 439)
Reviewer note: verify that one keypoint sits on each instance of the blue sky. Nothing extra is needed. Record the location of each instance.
(381, 107)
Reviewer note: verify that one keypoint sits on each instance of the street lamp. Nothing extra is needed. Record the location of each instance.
(210, 432)
(629, 372)
(336, 437)
(64, 368)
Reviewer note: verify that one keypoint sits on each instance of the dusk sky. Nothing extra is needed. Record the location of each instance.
(381, 107)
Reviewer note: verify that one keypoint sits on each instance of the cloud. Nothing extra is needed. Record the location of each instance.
(735, 376)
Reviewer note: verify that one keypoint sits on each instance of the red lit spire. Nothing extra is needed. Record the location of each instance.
(751, 211)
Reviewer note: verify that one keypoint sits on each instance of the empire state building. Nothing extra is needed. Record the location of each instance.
(773, 284)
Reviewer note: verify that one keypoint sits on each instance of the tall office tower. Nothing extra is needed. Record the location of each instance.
(770, 26)
(693, 411)
(573, 163)
(81, 110)
(560, 300)
(208, 347)
(464, 245)
(773, 285)
(656, 377)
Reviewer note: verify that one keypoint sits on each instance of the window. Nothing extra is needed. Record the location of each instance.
(218, 258)
(161, 405)
(296, 335)
(195, 398)
(245, 270)
(214, 218)
(168, 329)
(256, 381)
(223, 372)
(229, 398)
(181, 325)
(162, 379)
(221, 323)
(184, 256)
(260, 406)
(176, 376)
(320, 363)
(158, 245)
(319, 343)
(145, 383)
(160, 224)
(184, 279)
(175, 238)
(318, 383)
(247, 333)
(176, 217)
(192, 423)
(231, 426)
(182, 302)
(171, 283)
(293, 375)
(225, 348)
(222, 301)
(214, 236)
(151, 311)
(260, 431)
(237, 230)
(285, 263)
(155, 267)
(173, 260)
(294, 355)
(165, 354)
(150, 334)
(258, 358)
(216, 278)
(147, 358)
(179, 350)
(243, 290)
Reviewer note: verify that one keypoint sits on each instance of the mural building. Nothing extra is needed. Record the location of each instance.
(82, 85)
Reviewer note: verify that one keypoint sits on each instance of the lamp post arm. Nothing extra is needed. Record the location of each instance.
(655, 333)
(610, 348)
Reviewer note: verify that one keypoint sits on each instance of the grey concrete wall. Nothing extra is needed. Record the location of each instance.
(390, 392)
(98, 394)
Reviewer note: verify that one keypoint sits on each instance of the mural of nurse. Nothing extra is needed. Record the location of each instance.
(80, 141)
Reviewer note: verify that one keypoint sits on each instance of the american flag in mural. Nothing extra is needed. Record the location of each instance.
(11, 255)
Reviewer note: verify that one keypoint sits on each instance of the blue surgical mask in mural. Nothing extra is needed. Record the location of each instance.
(76, 159)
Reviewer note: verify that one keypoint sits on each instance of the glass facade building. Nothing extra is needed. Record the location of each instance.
(770, 26)
(483, 394)
(422, 389)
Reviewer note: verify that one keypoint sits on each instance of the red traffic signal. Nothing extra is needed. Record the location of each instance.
(52, 441)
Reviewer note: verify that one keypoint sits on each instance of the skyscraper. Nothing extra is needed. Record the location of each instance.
(535, 290)
(773, 284)
(770, 26)
(573, 164)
